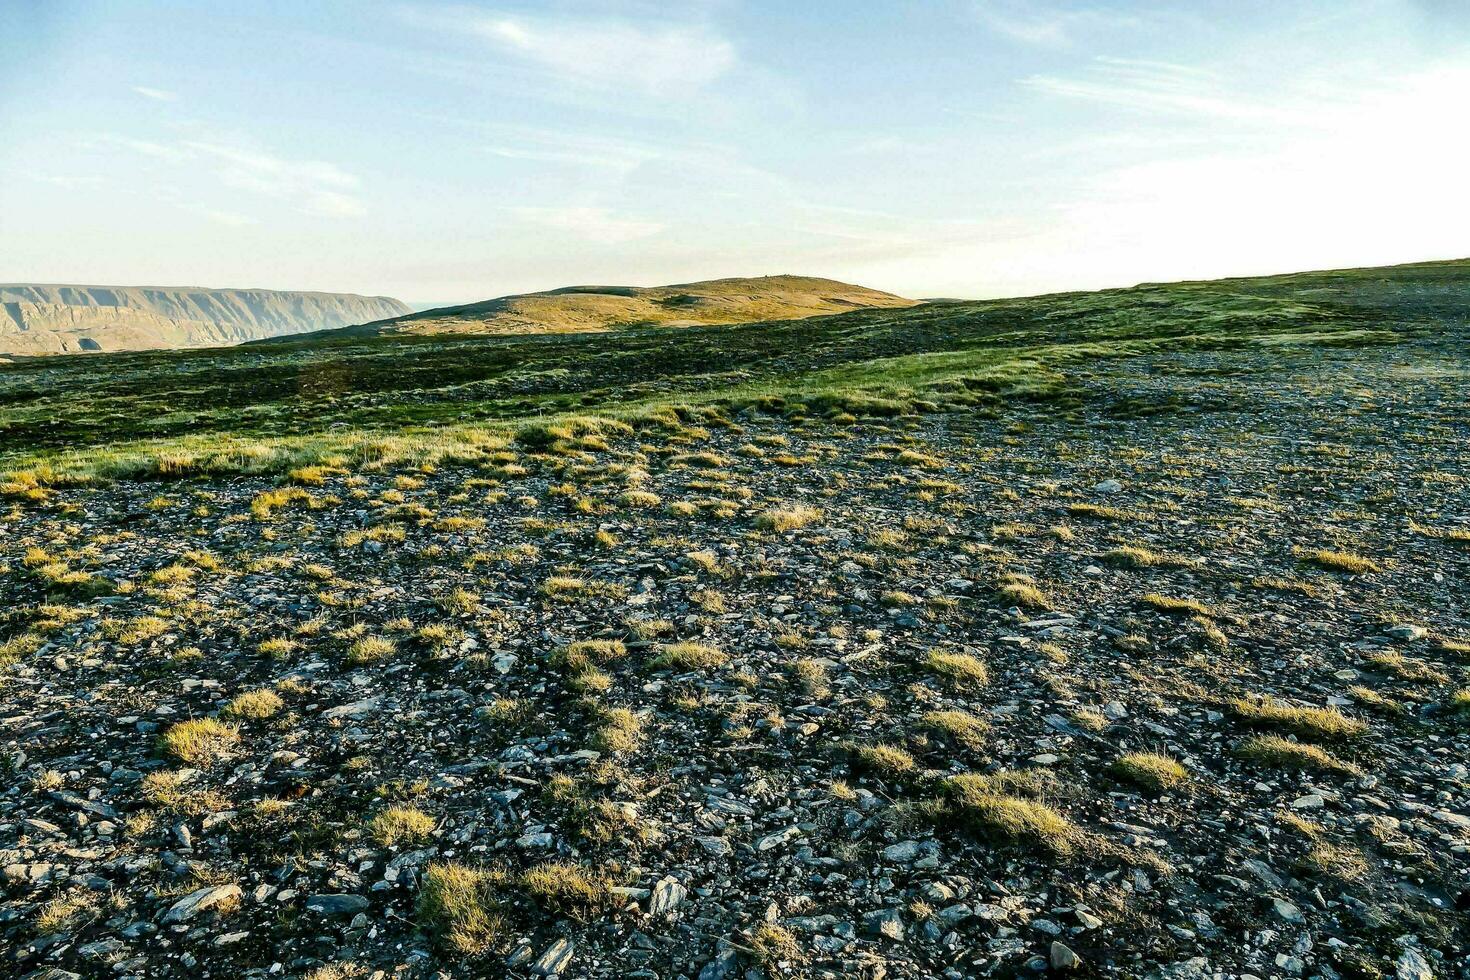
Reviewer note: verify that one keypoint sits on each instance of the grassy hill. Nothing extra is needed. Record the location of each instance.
(307, 394)
(583, 309)
(1122, 633)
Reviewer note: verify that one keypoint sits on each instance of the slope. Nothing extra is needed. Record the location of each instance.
(61, 319)
(590, 309)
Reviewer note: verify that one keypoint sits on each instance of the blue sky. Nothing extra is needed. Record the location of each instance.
(447, 152)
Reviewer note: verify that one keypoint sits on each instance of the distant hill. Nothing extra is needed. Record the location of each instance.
(63, 319)
(590, 309)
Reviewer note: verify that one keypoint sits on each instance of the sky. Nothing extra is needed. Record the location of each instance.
(449, 152)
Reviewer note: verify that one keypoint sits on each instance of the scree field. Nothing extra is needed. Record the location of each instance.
(1121, 633)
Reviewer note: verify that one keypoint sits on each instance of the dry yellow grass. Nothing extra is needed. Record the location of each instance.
(690, 656)
(1024, 594)
(1338, 561)
(1150, 771)
(401, 825)
(1307, 722)
(255, 704)
(620, 730)
(962, 668)
(199, 742)
(789, 518)
(774, 948)
(961, 726)
(1273, 750)
(570, 890)
(457, 903)
(370, 649)
(977, 804)
(885, 760)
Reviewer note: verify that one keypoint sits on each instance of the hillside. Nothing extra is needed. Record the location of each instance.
(1119, 634)
(64, 319)
(588, 309)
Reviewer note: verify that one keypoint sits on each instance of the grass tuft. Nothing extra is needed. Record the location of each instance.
(458, 905)
(401, 825)
(1326, 723)
(200, 741)
(964, 669)
(789, 518)
(255, 704)
(1283, 753)
(978, 804)
(1149, 770)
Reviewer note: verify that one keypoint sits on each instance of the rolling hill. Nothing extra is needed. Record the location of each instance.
(64, 319)
(592, 309)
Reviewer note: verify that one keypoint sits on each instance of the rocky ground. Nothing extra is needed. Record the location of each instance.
(1169, 685)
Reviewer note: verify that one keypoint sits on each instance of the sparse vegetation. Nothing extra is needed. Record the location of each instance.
(790, 518)
(1273, 750)
(981, 805)
(1328, 723)
(963, 669)
(401, 825)
(256, 704)
(524, 649)
(1150, 770)
(199, 742)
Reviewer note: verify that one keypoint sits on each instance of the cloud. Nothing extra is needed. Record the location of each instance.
(594, 224)
(1050, 24)
(156, 94)
(663, 58)
(310, 186)
(1362, 184)
(1162, 87)
(228, 218)
(572, 148)
(313, 186)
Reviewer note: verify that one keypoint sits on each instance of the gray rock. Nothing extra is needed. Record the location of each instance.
(721, 967)
(884, 922)
(780, 837)
(192, 905)
(1087, 920)
(902, 852)
(102, 949)
(714, 846)
(1411, 965)
(86, 806)
(1062, 957)
(1287, 912)
(357, 710)
(554, 958)
(336, 904)
(667, 896)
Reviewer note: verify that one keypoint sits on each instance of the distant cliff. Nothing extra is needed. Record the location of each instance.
(52, 319)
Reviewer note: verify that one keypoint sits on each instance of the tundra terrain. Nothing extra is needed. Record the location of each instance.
(1098, 634)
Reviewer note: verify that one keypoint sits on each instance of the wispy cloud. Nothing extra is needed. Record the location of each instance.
(594, 224)
(1051, 24)
(156, 94)
(1158, 87)
(571, 147)
(227, 218)
(656, 57)
(311, 186)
